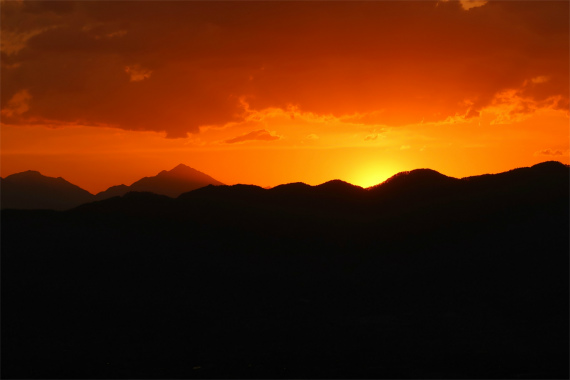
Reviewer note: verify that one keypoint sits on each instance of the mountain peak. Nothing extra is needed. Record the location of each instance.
(172, 183)
(181, 170)
(181, 166)
(336, 182)
(550, 165)
(27, 174)
(338, 185)
(32, 190)
(414, 175)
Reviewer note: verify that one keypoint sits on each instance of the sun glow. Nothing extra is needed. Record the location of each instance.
(371, 175)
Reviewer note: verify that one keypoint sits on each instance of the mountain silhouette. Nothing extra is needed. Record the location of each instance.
(422, 276)
(417, 184)
(113, 191)
(400, 194)
(340, 187)
(172, 183)
(32, 190)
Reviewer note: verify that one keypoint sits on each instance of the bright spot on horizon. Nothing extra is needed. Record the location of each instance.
(367, 176)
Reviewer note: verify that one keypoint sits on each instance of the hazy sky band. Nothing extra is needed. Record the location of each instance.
(222, 75)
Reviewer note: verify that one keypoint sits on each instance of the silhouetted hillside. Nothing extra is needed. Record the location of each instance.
(531, 179)
(424, 276)
(340, 187)
(419, 184)
(171, 183)
(405, 192)
(32, 190)
(113, 191)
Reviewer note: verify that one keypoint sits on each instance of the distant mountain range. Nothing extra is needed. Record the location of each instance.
(405, 192)
(32, 190)
(170, 183)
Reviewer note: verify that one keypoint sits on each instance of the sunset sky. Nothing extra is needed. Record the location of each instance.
(104, 93)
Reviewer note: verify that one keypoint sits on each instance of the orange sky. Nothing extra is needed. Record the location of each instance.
(104, 93)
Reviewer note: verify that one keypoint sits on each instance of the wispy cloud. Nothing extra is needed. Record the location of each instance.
(551, 152)
(259, 135)
(18, 104)
(468, 4)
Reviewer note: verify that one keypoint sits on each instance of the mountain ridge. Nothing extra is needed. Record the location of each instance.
(434, 281)
(402, 194)
(32, 190)
(183, 180)
(172, 183)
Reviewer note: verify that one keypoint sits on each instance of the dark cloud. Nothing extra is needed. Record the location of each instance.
(261, 134)
(48, 6)
(549, 152)
(195, 60)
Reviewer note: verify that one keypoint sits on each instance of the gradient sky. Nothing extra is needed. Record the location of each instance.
(104, 93)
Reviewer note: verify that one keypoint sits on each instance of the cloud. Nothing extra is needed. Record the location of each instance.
(468, 4)
(375, 133)
(55, 7)
(118, 33)
(515, 105)
(471, 113)
(12, 42)
(18, 104)
(260, 135)
(404, 147)
(137, 73)
(540, 79)
(381, 63)
(312, 136)
(551, 152)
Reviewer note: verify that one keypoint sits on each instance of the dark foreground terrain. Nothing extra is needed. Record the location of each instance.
(425, 276)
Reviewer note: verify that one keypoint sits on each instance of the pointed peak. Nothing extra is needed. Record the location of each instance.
(181, 166)
(180, 169)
